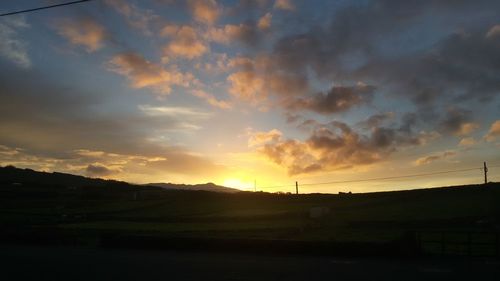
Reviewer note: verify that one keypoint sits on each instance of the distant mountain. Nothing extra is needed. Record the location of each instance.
(12, 175)
(205, 187)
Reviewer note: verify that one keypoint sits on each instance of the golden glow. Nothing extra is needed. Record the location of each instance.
(239, 184)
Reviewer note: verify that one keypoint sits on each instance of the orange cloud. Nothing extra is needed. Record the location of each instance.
(284, 5)
(264, 22)
(175, 164)
(84, 32)
(243, 62)
(467, 128)
(255, 81)
(323, 151)
(247, 86)
(205, 11)
(145, 74)
(467, 142)
(434, 157)
(211, 99)
(494, 131)
(259, 138)
(230, 33)
(494, 31)
(333, 146)
(185, 42)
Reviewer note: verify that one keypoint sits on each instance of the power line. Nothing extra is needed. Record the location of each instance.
(382, 178)
(43, 8)
(394, 177)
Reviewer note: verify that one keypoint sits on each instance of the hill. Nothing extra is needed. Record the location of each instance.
(13, 175)
(198, 187)
(56, 207)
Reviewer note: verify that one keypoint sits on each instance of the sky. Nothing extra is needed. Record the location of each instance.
(254, 94)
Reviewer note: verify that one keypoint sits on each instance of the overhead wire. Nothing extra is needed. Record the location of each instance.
(43, 8)
(381, 178)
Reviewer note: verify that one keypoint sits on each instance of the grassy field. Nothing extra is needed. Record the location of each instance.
(370, 217)
(58, 208)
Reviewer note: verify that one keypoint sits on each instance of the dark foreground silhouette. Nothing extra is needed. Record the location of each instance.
(65, 210)
(56, 263)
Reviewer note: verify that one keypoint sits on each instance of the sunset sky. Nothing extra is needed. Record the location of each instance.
(272, 91)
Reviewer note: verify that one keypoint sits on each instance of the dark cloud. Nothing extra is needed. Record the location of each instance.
(361, 33)
(375, 120)
(96, 170)
(337, 99)
(458, 121)
(247, 33)
(432, 53)
(464, 66)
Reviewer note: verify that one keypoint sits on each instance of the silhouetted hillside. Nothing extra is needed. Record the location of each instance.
(63, 208)
(205, 187)
(11, 175)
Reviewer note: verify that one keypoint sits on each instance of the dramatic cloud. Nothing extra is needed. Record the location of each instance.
(205, 11)
(141, 19)
(260, 81)
(335, 146)
(434, 157)
(255, 82)
(11, 46)
(372, 42)
(84, 32)
(338, 99)
(494, 131)
(458, 122)
(145, 74)
(184, 42)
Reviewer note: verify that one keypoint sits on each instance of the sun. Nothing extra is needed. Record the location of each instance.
(239, 184)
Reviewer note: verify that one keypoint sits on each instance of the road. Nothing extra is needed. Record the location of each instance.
(66, 263)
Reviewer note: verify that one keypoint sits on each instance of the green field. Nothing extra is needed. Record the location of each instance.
(62, 208)
(376, 217)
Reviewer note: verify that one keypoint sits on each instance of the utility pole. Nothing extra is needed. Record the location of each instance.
(485, 169)
(296, 187)
(254, 185)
